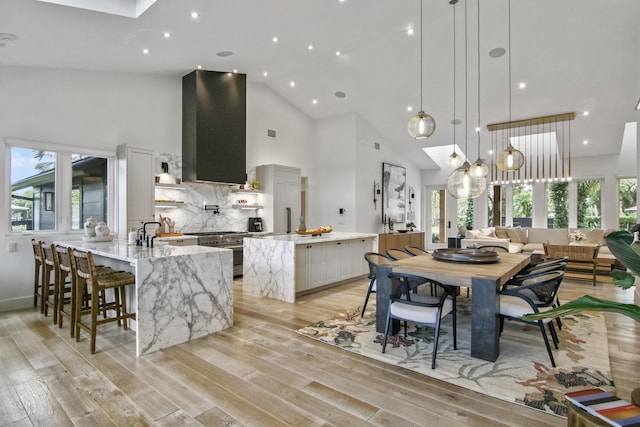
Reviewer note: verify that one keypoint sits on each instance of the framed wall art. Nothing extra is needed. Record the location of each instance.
(394, 181)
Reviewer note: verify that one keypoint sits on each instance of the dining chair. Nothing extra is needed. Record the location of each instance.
(397, 254)
(494, 248)
(414, 250)
(543, 264)
(373, 260)
(422, 309)
(534, 295)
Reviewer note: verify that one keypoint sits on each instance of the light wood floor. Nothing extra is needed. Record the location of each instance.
(259, 373)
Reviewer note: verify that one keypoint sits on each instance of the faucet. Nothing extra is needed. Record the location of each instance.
(144, 231)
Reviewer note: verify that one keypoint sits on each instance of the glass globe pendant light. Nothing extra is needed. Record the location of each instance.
(461, 184)
(454, 160)
(479, 168)
(510, 159)
(421, 125)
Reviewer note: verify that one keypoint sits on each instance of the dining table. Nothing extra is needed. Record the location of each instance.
(485, 280)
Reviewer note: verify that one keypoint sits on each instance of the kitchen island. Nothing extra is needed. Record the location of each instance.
(181, 292)
(283, 266)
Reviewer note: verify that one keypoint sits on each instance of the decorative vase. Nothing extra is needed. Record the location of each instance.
(90, 226)
(102, 230)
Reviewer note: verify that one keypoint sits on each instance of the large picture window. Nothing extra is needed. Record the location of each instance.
(558, 205)
(627, 199)
(57, 189)
(589, 199)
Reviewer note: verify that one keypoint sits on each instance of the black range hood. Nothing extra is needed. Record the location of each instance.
(214, 121)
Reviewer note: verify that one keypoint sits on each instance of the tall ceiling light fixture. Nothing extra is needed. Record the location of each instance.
(421, 125)
(461, 184)
(455, 160)
(479, 168)
(510, 159)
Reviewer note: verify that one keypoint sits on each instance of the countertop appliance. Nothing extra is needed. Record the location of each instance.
(255, 225)
(224, 239)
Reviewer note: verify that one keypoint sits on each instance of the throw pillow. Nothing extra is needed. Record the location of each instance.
(595, 236)
(502, 232)
(517, 235)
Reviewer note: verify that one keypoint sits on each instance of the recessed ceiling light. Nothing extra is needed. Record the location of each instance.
(477, 129)
(310, 47)
(224, 53)
(342, 1)
(199, 67)
(194, 15)
(235, 71)
(166, 34)
(585, 142)
(585, 113)
(292, 83)
(340, 94)
(314, 102)
(497, 52)
(522, 85)
(275, 39)
(409, 108)
(337, 53)
(490, 151)
(265, 74)
(410, 31)
(145, 51)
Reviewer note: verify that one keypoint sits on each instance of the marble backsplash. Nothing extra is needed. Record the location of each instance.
(190, 216)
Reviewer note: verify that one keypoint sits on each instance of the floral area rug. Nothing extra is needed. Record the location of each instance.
(522, 373)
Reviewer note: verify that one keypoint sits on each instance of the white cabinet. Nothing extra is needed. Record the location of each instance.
(281, 195)
(319, 264)
(135, 190)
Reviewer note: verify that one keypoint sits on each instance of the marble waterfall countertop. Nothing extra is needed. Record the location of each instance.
(181, 292)
(270, 268)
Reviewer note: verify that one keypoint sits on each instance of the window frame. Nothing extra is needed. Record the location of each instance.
(63, 183)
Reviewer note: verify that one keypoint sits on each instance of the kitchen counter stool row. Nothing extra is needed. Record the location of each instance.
(79, 287)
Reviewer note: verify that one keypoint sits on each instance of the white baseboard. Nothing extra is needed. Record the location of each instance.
(16, 303)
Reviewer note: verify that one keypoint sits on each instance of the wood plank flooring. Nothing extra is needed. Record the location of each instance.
(259, 373)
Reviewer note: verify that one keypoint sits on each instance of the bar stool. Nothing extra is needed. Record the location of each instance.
(86, 273)
(49, 287)
(37, 255)
(67, 269)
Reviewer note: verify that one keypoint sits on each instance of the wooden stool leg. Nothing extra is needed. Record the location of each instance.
(122, 310)
(80, 298)
(95, 307)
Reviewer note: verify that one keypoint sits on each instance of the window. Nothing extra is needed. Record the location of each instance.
(41, 199)
(558, 205)
(437, 216)
(627, 199)
(522, 205)
(496, 198)
(465, 213)
(589, 200)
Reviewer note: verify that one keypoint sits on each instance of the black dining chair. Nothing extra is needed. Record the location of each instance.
(421, 309)
(414, 250)
(534, 295)
(396, 254)
(373, 260)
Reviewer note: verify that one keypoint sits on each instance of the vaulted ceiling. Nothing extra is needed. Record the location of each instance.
(573, 55)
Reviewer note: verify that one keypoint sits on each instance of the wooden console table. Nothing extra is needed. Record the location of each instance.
(400, 240)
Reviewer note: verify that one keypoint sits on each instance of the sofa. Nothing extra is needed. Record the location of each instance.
(531, 239)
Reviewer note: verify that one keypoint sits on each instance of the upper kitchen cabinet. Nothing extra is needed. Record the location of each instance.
(281, 196)
(136, 190)
(214, 119)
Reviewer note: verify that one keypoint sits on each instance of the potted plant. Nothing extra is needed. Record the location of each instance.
(627, 251)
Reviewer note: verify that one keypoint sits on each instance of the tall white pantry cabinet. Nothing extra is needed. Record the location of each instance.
(281, 194)
(136, 188)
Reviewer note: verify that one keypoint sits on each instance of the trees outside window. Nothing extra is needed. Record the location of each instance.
(522, 205)
(589, 199)
(558, 205)
(627, 198)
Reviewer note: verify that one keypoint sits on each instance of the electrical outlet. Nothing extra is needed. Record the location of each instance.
(12, 246)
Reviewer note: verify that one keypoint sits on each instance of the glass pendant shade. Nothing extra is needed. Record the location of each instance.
(510, 159)
(461, 185)
(421, 125)
(479, 169)
(455, 160)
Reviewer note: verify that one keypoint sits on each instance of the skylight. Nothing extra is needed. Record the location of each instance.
(128, 8)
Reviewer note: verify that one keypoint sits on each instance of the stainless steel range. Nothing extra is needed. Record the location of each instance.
(225, 239)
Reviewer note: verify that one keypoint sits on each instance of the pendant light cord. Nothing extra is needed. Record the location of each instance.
(509, 60)
(478, 131)
(466, 89)
(454, 76)
(421, 31)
